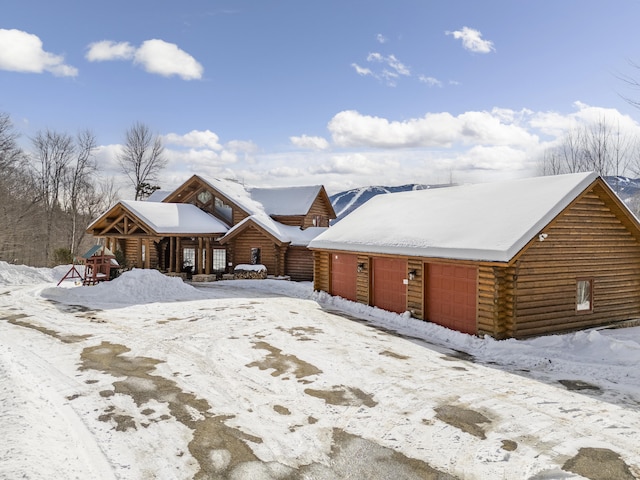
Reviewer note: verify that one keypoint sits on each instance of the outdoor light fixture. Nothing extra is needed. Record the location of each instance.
(543, 236)
(412, 274)
(361, 267)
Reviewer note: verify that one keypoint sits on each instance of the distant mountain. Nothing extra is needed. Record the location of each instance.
(346, 202)
(625, 187)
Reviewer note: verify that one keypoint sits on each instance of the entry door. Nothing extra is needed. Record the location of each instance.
(451, 296)
(344, 271)
(389, 284)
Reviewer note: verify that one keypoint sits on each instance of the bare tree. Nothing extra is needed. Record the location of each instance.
(53, 152)
(79, 186)
(10, 153)
(600, 147)
(17, 210)
(142, 159)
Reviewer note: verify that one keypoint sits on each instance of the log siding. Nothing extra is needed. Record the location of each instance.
(587, 241)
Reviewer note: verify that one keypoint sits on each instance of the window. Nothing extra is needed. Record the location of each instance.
(219, 260)
(222, 210)
(319, 221)
(204, 197)
(255, 256)
(188, 258)
(584, 295)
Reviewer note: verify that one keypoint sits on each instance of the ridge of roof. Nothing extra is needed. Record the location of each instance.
(483, 222)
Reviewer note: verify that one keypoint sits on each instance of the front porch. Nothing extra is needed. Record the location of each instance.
(173, 254)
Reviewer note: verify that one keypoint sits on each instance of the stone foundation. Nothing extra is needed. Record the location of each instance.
(183, 276)
(203, 277)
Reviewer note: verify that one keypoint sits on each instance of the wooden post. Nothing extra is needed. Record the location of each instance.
(147, 253)
(178, 255)
(172, 254)
(198, 259)
(208, 257)
(139, 252)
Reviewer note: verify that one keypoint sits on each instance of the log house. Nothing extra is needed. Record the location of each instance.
(210, 226)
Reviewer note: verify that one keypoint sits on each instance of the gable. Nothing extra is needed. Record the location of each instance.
(118, 220)
(322, 205)
(130, 217)
(250, 224)
(225, 199)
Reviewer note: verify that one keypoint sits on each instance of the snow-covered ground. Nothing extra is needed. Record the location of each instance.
(147, 377)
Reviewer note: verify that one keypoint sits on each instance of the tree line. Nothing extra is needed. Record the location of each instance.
(600, 146)
(50, 192)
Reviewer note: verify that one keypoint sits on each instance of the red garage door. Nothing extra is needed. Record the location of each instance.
(389, 287)
(344, 269)
(450, 296)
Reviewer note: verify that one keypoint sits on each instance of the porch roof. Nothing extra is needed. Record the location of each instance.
(175, 218)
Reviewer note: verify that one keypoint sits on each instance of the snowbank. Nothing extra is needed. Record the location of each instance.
(22, 275)
(132, 287)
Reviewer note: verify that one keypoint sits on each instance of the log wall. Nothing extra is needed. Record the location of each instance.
(415, 288)
(299, 264)
(363, 280)
(321, 271)
(496, 300)
(587, 241)
(270, 255)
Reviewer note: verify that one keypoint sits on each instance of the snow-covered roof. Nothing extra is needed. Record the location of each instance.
(488, 222)
(286, 200)
(237, 193)
(158, 195)
(296, 236)
(299, 237)
(175, 218)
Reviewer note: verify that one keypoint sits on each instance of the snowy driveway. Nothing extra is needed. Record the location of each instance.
(245, 382)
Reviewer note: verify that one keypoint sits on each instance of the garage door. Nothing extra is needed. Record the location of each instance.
(344, 269)
(388, 284)
(450, 296)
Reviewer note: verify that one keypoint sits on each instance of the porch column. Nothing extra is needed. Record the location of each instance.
(198, 259)
(178, 255)
(147, 253)
(139, 252)
(208, 257)
(172, 254)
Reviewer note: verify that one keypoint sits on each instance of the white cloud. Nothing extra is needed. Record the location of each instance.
(108, 50)
(155, 56)
(472, 40)
(352, 129)
(431, 81)
(391, 61)
(356, 163)
(201, 149)
(392, 68)
(194, 139)
(166, 59)
(381, 38)
(241, 146)
(311, 143)
(361, 70)
(22, 52)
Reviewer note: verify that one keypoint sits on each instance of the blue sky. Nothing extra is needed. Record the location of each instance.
(334, 92)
